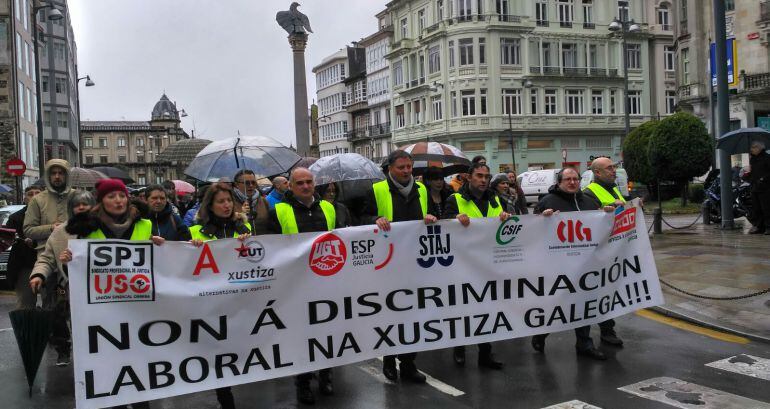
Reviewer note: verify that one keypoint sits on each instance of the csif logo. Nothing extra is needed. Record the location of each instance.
(434, 247)
(328, 255)
(508, 231)
(252, 250)
(572, 230)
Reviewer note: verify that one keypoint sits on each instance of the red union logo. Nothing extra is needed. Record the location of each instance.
(624, 221)
(571, 230)
(328, 255)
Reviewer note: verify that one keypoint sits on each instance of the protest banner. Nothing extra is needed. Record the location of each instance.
(156, 321)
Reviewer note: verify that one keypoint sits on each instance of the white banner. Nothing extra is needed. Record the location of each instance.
(156, 321)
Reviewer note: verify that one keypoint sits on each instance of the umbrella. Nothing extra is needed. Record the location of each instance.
(81, 177)
(182, 188)
(261, 154)
(739, 141)
(32, 327)
(429, 154)
(5, 189)
(115, 173)
(352, 172)
(305, 162)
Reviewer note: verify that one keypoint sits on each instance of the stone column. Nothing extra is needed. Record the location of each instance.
(298, 41)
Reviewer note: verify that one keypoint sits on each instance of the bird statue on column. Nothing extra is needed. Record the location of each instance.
(293, 21)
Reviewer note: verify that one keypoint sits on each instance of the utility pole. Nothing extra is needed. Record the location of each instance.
(723, 114)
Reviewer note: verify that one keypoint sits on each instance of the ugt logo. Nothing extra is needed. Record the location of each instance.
(328, 255)
(570, 230)
(435, 247)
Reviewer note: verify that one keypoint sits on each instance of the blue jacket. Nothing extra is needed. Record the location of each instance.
(274, 198)
(168, 225)
(189, 217)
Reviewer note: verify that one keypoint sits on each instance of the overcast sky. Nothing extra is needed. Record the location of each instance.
(227, 63)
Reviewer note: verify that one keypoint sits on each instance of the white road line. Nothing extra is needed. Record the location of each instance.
(6, 329)
(685, 395)
(573, 404)
(743, 364)
(376, 371)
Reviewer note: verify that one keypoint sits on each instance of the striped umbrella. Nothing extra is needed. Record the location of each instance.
(433, 154)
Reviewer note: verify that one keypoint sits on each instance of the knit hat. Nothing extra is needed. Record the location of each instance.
(107, 186)
(498, 179)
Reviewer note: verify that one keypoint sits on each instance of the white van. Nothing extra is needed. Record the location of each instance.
(621, 179)
(535, 183)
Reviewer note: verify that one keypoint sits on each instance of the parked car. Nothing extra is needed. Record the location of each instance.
(621, 179)
(535, 183)
(5, 213)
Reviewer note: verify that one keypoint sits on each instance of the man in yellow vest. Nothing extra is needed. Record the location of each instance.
(301, 211)
(398, 198)
(474, 201)
(604, 191)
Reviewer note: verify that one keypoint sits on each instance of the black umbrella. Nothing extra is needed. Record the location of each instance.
(32, 327)
(739, 141)
(114, 173)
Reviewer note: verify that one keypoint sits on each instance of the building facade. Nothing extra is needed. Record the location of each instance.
(748, 37)
(18, 101)
(356, 102)
(331, 94)
(134, 145)
(537, 83)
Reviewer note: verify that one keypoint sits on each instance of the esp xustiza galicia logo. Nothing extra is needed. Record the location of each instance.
(435, 247)
(328, 255)
(570, 231)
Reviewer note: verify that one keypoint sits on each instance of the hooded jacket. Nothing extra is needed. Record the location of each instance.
(562, 201)
(168, 224)
(48, 207)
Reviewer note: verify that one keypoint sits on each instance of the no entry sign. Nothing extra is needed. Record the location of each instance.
(15, 167)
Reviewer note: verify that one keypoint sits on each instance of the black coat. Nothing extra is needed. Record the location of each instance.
(404, 209)
(557, 199)
(484, 203)
(22, 257)
(760, 172)
(168, 225)
(309, 219)
(437, 209)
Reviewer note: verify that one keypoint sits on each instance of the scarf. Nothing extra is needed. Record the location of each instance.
(241, 197)
(117, 227)
(403, 189)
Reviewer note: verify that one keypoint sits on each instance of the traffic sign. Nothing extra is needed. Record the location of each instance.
(15, 167)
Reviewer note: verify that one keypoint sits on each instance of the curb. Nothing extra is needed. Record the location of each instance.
(673, 314)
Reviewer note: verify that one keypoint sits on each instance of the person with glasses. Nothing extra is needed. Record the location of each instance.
(565, 196)
(250, 202)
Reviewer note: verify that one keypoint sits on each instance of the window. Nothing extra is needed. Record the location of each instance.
(592, 60)
(483, 101)
(685, 66)
(729, 5)
(62, 119)
(482, 51)
(468, 100)
(597, 102)
(439, 10)
(438, 112)
(503, 11)
(510, 48)
(47, 117)
(121, 141)
(573, 100)
(466, 51)
(140, 141)
(588, 14)
(121, 158)
(417, 112)
(668, 58)
(398, 73)
(464, 10)
(480, 8)
(434, 59)
(512, 102)
(19, 57)
(58, 50)
(564, 9)
(102, 142)
(44, 83)
(141, 179)
(22, 105)
(683, 16)
(541, 13)
(533, 101)
(420, 20)
(453, 101)
(623, 10)
(663, 17)
(569, 55)
(400, 121)
(547, 55)
(140, 157)
(26, 59)
(634, 56)
(613, 110)
(473, 146)
(421, 66)
(634, 102)
(89, 159)
(670, 102)
(88, 142)
(550, 102)
(451, 54)
(60, 85)
(404, 28)
(539, 144)
(103, 158)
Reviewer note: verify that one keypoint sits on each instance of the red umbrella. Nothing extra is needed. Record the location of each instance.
(182, 188)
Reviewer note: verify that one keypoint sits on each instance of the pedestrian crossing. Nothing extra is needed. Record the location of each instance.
(687, 395)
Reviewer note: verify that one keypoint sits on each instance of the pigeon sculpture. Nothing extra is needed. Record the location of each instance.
(293, 21)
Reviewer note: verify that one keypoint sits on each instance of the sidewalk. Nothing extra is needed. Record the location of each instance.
(708, 261)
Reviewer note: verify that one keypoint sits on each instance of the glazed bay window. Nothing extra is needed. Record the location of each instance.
(541, 13)
(634, 56)
(464, 10)
(466, 51)
(512, 102)
(482, 51)
(468, 101)
(569, 55)
(483, 101)
(404, 28)
(634, 102)
(451, 54)
(533, 95)
(613, 95)
(565, 12)
(510, 49)
(436, 105)
(597, 102)
(420, 21)
(398, 73)
(668, 58)
(416, 112)
(670, 102)
(573, 100)
(550, 102)
(400, 122)
(588, 14)
(439, 10)
(453, 102)
(434, 59)
(686, 66)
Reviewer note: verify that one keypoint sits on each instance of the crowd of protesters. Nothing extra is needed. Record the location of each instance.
(237, 208)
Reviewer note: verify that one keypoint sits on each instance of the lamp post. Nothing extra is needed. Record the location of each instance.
(55, 15)
(526, 84)
(89, 83)
(624, 28)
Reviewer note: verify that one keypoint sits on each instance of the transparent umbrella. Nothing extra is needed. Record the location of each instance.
(223, 159)
(353, 173)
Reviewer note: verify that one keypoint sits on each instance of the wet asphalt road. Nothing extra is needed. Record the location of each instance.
(529, 379)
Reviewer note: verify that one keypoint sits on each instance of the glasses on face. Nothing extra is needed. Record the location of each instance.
(570, 180)
(248, 182)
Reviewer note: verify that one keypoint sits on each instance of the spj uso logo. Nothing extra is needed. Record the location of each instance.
(435, 247)
(120, 272)
(328, 255)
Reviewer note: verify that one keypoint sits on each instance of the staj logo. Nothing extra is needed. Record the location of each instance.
(434, 247)
(328, 255)
(572, 230)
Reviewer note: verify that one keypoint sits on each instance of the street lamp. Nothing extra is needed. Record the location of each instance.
(624, 28)
(89, 83)
(54, 15)
(526, 83)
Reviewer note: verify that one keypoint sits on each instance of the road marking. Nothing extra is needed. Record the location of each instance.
(676, 323)
(743, 364)
(376, 372)
(573, 404)
(685, 395)
(6, 329)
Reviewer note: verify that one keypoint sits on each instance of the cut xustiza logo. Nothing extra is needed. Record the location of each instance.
(571, 230)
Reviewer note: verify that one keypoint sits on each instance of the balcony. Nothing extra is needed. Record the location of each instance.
(542, 23)
(509, 18)
(356, 135)
(380, 129)
(690, 91)
(590, 26)
(575, 71)
(755, 82)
